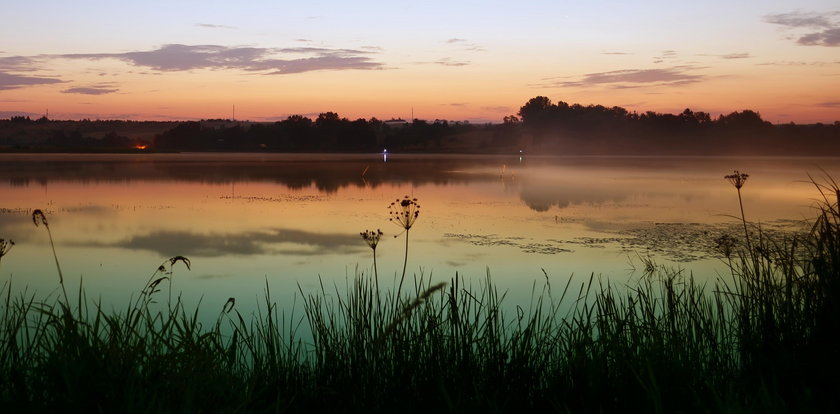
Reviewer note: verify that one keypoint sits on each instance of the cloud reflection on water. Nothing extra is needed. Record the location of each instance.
(275, 241)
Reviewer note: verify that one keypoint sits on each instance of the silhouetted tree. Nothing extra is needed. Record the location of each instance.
(297, 129)
(186, 135)
(328, 126)
(114, 140)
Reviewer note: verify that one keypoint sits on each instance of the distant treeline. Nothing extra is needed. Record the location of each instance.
(328, 132)
(539, 126)
(21, 133)
(595, 129)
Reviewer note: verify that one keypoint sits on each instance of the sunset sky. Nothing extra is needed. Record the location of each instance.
(455, 60)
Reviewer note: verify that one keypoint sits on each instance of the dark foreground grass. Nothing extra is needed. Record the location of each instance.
(763, 339)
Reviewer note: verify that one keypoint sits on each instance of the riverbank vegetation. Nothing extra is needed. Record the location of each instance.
(763, 338)
(540, 126)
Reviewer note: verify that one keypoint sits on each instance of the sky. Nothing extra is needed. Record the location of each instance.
(476, 61)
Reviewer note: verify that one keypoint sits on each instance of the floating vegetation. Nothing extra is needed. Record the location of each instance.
(680, 242)
(686, 242)
(284, 198)
(543, 248)
(484, 239)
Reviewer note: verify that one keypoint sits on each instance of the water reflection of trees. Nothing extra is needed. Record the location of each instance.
(543, 196)
(540, 182)
(326, 173)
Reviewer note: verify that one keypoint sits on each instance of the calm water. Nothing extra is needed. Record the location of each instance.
(250, 219)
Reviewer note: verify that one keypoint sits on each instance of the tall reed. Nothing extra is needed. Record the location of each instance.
(38, 217)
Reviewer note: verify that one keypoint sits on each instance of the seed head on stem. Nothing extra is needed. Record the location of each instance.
(737, 179)
(404, 212)
(371, 237)
(38, 217)
(5, 246)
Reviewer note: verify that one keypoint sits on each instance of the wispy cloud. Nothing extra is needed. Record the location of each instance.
(497, 108)
(821, 29)
(728, 56)
(466, 45)
(797, 63)
(616, 53)
(634, 78)
(736, 56)
(665, 55)
(832, 104)
(178, 57)
(18, 63)
(12, 81)
(91, 90)
(449, 62)
(215, 26)
(803, 19)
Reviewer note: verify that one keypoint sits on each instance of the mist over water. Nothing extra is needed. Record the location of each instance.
(245, 220)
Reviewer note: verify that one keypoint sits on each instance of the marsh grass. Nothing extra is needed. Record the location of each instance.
(761, 339)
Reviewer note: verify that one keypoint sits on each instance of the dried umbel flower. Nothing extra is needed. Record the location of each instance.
(5, 246)
(372, 237)
(38, 217)
(404, 212)
(738, 179)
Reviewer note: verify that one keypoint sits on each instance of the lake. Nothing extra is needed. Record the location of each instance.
(293, 221)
